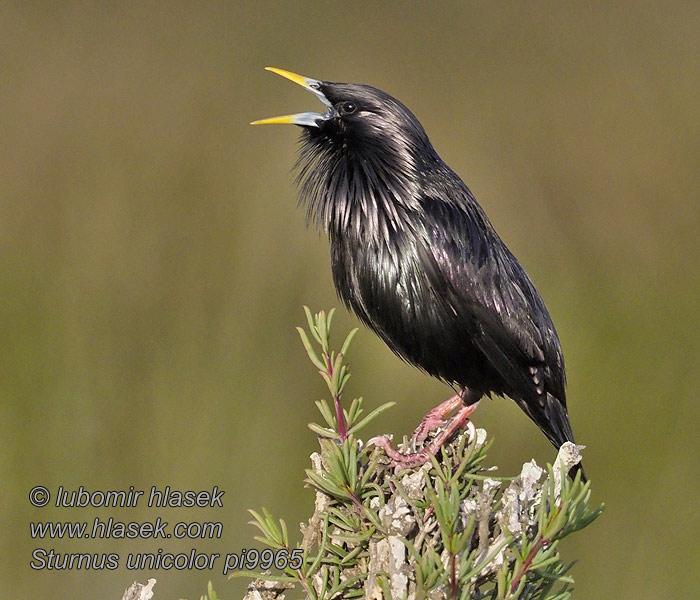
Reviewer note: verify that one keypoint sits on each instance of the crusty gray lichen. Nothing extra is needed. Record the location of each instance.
(138, 591)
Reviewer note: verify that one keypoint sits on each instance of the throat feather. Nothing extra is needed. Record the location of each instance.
(349, 192)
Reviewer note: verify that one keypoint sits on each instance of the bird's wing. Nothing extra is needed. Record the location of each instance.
(473, 271)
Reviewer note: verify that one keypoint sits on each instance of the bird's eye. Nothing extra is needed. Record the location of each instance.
(347, 108)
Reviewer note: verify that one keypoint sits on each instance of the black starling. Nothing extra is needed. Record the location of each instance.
(416, 258)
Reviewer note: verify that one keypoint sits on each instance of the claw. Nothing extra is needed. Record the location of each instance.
(405, 461)
(436, 418)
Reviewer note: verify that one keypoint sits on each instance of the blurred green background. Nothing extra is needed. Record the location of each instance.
(154, 263)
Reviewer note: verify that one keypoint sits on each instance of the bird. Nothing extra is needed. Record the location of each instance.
(416, 258)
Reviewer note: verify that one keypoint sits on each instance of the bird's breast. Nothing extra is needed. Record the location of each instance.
(387, 287)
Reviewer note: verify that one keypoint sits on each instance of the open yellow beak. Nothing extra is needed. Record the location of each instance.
(308, 119)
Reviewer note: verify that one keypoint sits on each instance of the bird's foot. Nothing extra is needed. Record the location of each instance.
(413, 459)
(435, 418)
(399, 460)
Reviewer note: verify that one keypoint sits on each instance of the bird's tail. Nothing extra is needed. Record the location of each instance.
(551, 416)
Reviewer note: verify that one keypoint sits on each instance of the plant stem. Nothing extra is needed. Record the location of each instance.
(342, 429)
(453, 576)
(539, 544)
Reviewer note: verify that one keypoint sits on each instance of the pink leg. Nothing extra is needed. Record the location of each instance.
(418, 458)
(436, 417)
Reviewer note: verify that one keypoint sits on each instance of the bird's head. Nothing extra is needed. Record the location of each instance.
(356, 115)
(366, 151)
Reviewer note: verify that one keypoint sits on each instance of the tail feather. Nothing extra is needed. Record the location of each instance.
(551, 416)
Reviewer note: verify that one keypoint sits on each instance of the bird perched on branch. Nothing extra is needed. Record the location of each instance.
(416, 258)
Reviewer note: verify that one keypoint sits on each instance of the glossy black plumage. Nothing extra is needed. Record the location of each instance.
(416, 258)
